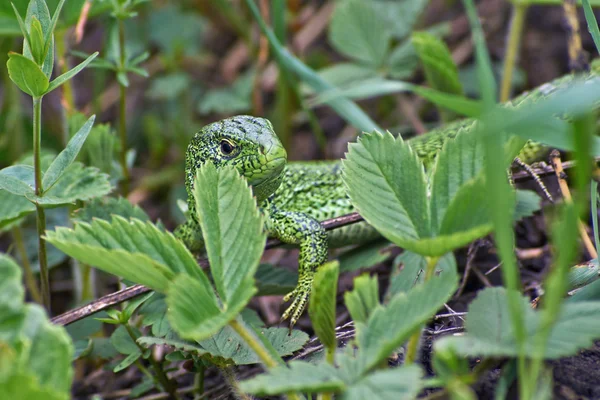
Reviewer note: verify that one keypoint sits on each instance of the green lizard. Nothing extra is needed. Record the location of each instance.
(295, 197)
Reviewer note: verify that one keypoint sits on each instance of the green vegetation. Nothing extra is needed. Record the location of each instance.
(384, 77)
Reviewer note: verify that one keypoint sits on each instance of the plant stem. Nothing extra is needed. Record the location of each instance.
(519, 11)
(199, 381)
(160, 373)
(30, 280)
(413, 342)
(250, 338)
(256, 345)
(39, 190)
(122, 112)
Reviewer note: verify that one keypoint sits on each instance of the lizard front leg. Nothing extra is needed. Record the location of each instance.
(300, 229)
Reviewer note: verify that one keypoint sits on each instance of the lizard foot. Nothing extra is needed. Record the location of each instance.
(299, 297)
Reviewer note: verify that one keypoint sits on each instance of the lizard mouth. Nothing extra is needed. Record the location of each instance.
(270, 171)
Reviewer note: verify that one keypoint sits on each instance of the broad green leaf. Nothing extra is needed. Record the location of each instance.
(365, 256)
(409, 271)
(297, 376)
(71, 73)
(66, 157)
(489, 331)
(273, 280)
(76, 183)
(133, 250)
(171, 86)
(236, 98)
(189, 320)
(403, 61)
(27, 75)
(356, 30)
(387, 184)
(234, 240)
(322, 305)
(30, 345)
(121, 340)
(38, 9)
(402, 383)
(388, 327)
(440, 71)
(527, 203)
(363, 299)
(15, 180)
(399, 16)
(12, 209)
(459, 162)
(105, 208)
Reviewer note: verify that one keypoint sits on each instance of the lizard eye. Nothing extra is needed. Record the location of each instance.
(227, 147)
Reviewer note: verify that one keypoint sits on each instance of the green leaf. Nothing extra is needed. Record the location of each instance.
(403, 61)
(322, 307)
(357, 31)
(105, 208)
(273, 280)
(389, 327)
(37, 41)
(27, 75)
(528, 202)
(49, 33)
(70, 74)
(402, 383)
(66, 157)
(123, 342)
(440, 71)
(32, 347)
(400, 16)
(134, 250)
(297, 376)
(409, 271)
(217, 193)
(12, 209)
(341, 74)
(365, 256)
(489, 331)
(363, 299)
(235, 98)
(24, 30)
(15, 180)
(127, 362)
(459, 162)
(76, 183)
(38, 9)
(189, 320)
(387, 184)
(592, 23)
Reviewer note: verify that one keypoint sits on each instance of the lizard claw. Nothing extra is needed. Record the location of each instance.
(299, 297)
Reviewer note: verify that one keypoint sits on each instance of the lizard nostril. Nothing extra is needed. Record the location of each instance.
(262, 149)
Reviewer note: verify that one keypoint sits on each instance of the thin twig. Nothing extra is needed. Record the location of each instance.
(564, 188)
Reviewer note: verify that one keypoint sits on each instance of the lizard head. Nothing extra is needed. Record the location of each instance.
(247, 143)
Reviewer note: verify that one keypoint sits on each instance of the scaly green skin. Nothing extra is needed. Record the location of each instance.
(295, 197)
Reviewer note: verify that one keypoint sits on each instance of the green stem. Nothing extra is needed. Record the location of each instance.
(233, 385)
(250, 338)
(199, 381)
(519, 12)
(39, 190)
(164, 380)
(30, 280)
(257, 346)
(123, 111)
(413, 342)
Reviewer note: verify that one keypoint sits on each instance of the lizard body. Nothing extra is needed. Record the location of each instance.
(295, 197)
